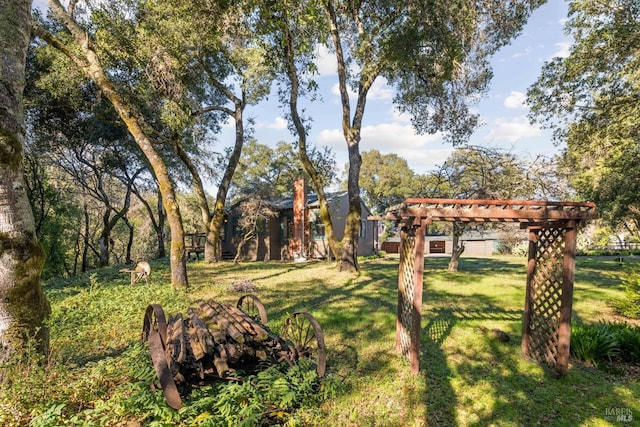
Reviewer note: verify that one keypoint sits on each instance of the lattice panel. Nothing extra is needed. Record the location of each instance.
(406, 289)
(546, 292)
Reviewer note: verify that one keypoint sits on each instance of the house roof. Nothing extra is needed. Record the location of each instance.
(312, 200)
(286, 203)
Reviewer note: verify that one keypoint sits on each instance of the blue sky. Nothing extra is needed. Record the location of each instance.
(503, 111)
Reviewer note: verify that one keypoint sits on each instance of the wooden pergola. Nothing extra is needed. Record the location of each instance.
(552, 227)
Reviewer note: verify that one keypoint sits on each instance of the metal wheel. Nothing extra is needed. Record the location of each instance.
(154, 320)
(252, 306)
(154, 331)
(304, 331)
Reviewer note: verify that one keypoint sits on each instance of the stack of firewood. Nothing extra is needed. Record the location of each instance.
(217, 339)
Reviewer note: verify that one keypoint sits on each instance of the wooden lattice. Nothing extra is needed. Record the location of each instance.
(406, 289)
(545, 296)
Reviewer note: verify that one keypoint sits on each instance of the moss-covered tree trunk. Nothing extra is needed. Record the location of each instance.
(217, 220)
(457, 246)
(23, 305)
(348, 254)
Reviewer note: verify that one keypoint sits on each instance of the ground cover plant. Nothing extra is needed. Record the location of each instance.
(98, 373)
(606, 342)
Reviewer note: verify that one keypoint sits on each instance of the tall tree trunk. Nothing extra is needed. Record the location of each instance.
(348, 255)
(162, 252)
(157, 224)
(85, 241)
(203, 203)
(90, 64)
(104, 240)
(127, 258)
(324, 212)
(351, 129)
(217, 220)
(23, 305)
(213, 246)
(457, 247)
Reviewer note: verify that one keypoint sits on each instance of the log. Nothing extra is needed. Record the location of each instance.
(218, 315)
(249, 324)
(225, 320)
(175, 339)
(220, 361)
(209, 317)
(216, 339)
(201, 340)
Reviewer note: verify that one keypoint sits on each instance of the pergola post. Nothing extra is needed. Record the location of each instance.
(526, 318)
(566, 300)
(410, 282)
(546, 324)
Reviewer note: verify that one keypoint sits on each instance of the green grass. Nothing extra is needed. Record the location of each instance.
(467, 378)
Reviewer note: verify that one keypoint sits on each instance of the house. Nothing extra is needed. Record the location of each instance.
(296, 231)
(476, 243)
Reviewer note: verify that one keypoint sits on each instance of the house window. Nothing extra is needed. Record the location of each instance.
(236, 229)
(261, 226)
(318, 230)
(286, 227)
(363, 228)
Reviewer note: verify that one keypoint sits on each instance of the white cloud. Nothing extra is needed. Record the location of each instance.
(515, 100)
(43, 5)
(399, 116)
(326, 61)
(279, 123)
(525, 52)
(379, 90)
(335, 90)
(562, 50)
(511, 130)
(422, 152)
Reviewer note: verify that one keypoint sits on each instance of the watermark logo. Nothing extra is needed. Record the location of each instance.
(620, 415)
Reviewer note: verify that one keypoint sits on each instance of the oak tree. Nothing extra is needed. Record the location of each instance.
(591, 98)
(434, 54)
(23, 305)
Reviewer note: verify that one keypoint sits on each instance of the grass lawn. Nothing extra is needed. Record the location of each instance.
(467, 377)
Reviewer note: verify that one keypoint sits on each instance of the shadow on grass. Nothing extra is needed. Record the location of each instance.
(440, 397)
(497, 386)
(520, 396)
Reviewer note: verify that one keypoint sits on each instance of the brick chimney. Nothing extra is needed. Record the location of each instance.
(297, 244)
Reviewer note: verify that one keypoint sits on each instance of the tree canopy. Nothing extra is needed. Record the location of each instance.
(435, 55)
(386, 180)
(269, 172)
(591, 99)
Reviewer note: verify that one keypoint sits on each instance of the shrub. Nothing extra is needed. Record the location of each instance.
(628, 339)
(606, 342)
(521, 249)
(593, 344)
(629, 304)
(272, 396)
